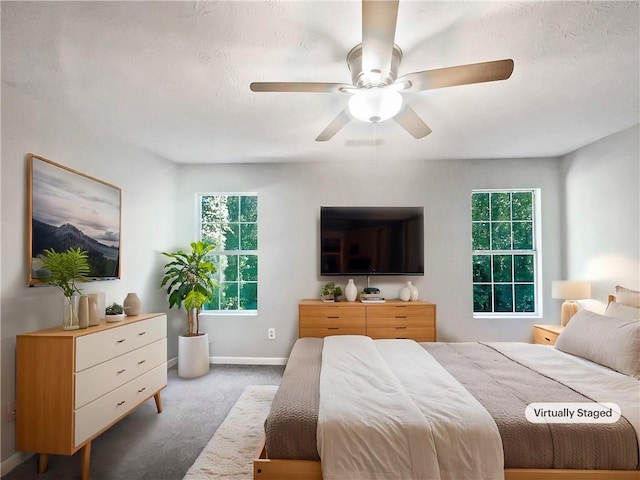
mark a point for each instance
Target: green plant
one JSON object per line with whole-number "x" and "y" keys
{"x": 337, "y": 291}
{"x": 328, "y": 289}
{"x": 189, "y": 277}
{"x": 114, "y": 309}
{"x": 66, "y": 268}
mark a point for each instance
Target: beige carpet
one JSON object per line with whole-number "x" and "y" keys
{"x": 229, "y": 454}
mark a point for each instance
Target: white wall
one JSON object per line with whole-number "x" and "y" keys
{"x": 602, "y": 197}
{"x": 148, "y": 214}
{"x": 290, "y": 196}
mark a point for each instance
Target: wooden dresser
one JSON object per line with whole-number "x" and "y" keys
{"x": 391, "y": 319}
{"x": 73, "y": 385}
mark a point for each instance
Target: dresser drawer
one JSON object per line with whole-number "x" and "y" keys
{"x": 419, "y": 334}
{"x": 332, "y": 322}
{"x": 328, "y": 331}
{"x": 401, "y": 311}
{"x": 326, "y": 311}
{"x": 95, "y": 416}
{"x": 400, "y": 321}
{"x": 102, "y": 346}
{"x": 544, "y": 337}
{"x": 94, "y": 382}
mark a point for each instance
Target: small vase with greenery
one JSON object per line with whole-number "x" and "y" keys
{"x": 189, "y": 277}
{"x": 114, "y": 313}
{"x": 67, "y": 268}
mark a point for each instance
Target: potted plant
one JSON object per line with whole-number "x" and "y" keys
{"x": 189, "y": 280}
{"x": 67, "y": 268}
{"x": 327, "y": 294}
{"x": 337, "y": 293}
{"x": 114, "y": 313}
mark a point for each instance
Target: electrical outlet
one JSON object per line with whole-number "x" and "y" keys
{"x": 10, "y": 412}
{"x": 271, "y": 334}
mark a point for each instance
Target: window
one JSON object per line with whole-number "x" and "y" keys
{"x": 230, "y": 222}
{"x": 505, "y": 252}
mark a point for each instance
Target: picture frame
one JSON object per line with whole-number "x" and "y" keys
{"x": 69, "y": 209}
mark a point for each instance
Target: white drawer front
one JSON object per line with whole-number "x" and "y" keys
{"x": 102, "y": 412}
{"x": 102, "y": 346}
{"x": 104, "y": 377}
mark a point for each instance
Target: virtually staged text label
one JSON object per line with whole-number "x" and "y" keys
{"x": 572, "y": 412}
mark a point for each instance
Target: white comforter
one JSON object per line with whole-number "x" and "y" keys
{"x": 389, "y": 411}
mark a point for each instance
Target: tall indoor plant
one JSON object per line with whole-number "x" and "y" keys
{"x": 66, "y": 268}
{"x": 190, "y": 283}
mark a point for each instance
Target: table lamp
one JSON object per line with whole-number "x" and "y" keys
{"x": 569, "y": 291}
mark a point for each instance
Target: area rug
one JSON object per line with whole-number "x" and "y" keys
{"x": 230, "y": 452}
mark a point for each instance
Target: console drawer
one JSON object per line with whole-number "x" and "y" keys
{"x": 94, "y": 382}
{"x": 419, "y": 334}
{"x": 99, "y": 414}
{"x": 102, "y": 346}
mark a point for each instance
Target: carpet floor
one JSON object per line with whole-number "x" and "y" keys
{"x": 150, "y": 446}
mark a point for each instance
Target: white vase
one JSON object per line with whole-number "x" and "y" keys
{"x": 414, "y": 292}
{"x": 351, "y": 291}
{"x": 193, "y": 355}
{"x": 405, "y": 293}
{"x": 70, "y": 320}
{"x": 131, "y": 305}
{"x": 83, "y": 311}
{"x": 94, "y": 317}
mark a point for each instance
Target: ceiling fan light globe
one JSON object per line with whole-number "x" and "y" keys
{"x": 375, "y": 104}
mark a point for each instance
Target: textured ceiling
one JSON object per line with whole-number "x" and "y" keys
{"x": 173, "y": 77}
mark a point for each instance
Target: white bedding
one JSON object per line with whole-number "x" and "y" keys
{"x": 389, "y": 411}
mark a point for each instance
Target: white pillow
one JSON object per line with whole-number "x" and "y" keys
{"x": 627, "y": 296}
{"x": 620, "y": 310}
{"x": 609, "y": 341}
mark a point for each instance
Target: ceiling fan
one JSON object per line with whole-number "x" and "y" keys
{"x": 374, "y": 73}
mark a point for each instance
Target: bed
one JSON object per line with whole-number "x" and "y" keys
{"x": 594, "y": 365}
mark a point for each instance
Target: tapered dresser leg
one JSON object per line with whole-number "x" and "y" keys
{"x": 42, "y": 464}
{"x": 158, "y": 400}
{"x": 86, "y": 460}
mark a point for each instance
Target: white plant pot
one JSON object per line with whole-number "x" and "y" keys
{"x": 193, "y": 356}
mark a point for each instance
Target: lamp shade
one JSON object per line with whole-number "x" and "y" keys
{"x": 375, "y": 104}
{"x": 570, "y": 290}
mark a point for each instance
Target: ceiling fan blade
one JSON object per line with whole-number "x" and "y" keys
{"x": 305, "y": 87}
{"x": 460, "y": 75}
{"x": 335, "y": 126}
{"x": 378, "y": 33}
{"x": 408, "y": 119}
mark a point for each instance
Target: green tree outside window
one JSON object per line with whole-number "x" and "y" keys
{"x": 504, "y": 259}
{"x": 231, "y": 222}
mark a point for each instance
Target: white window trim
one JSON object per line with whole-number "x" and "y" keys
{"x": 198, "y": 234}
{"x": 538, "y": 313}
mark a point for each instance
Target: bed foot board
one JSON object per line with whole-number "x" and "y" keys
{"x": 273, "y": 469}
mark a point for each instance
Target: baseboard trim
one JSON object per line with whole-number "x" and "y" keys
{"x": 249, "y": 360}
{"x": 13, "y": 461}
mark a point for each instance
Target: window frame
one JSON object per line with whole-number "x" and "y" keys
{"x": 536, "y": 251}
{"x": 238, "y": 252}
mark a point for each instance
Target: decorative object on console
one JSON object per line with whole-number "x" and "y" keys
{"x": 327, "y": 294}
{"x": 569, "y": 291}
{"x": 405, "y": 292}
{"x": 114, "y": 313}
{"x": 189, "y": 277}
{"x": 63, "y": 270}
{"x": 57, "y": 198}
{"x": 83, "y": 311}
{"x": 350, "y": 291}
{"x": 132, "y": 305}
{"x": 414, "y": 292}
{"x": 94, "y": 317}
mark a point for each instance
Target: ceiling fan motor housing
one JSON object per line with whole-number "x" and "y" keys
{"x": 362, "y": 79}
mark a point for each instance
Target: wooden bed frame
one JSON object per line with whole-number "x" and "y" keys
{"x": 274, "y": 469}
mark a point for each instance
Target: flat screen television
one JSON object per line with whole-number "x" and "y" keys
{"x": 371, "y": 241}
